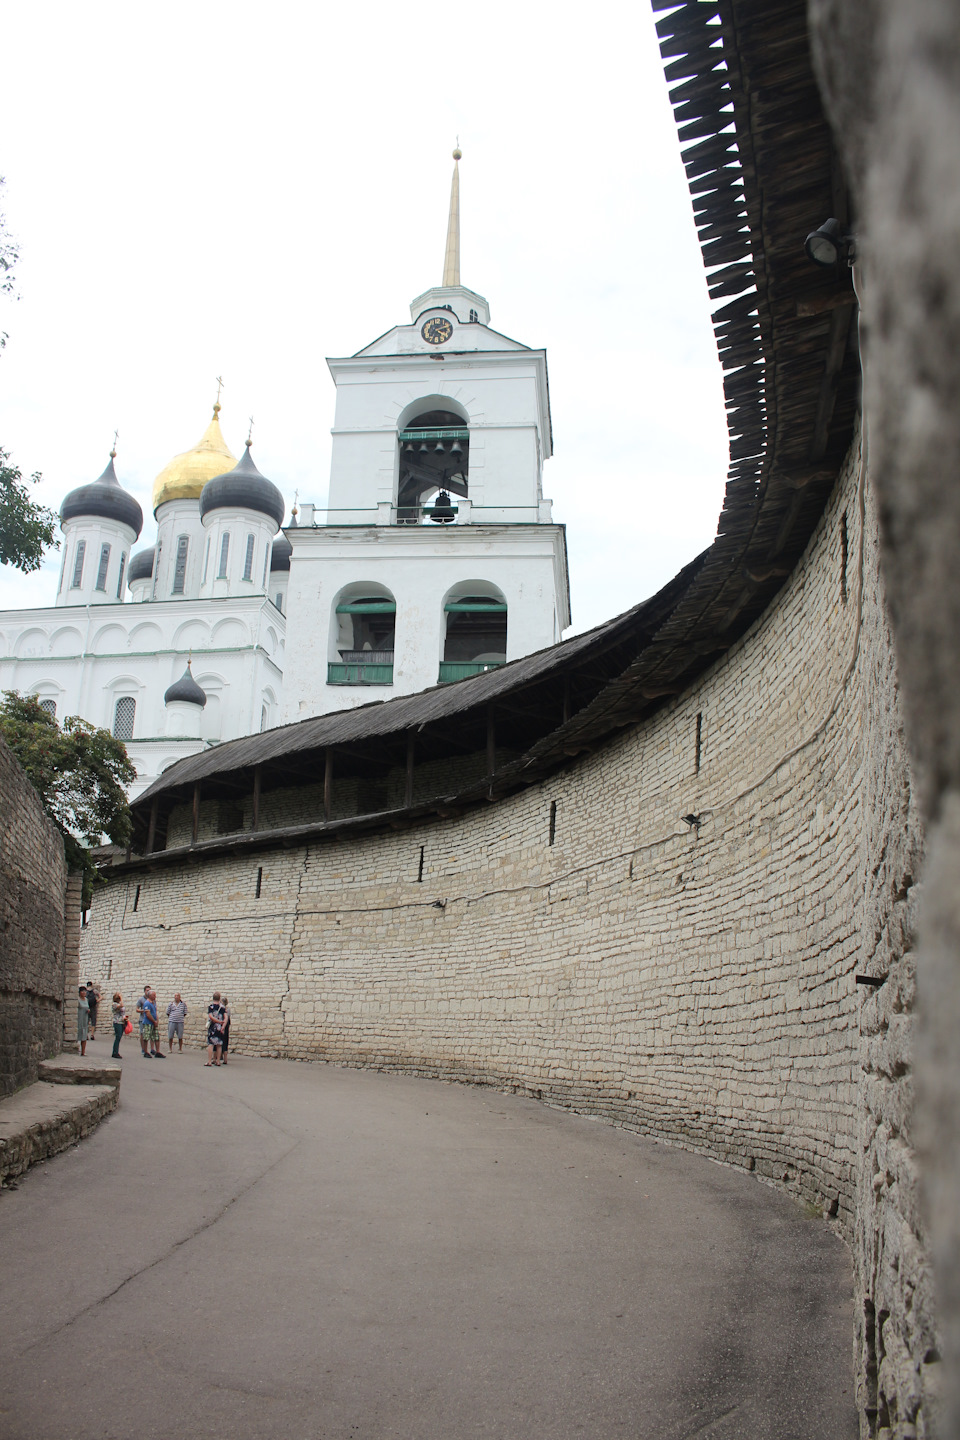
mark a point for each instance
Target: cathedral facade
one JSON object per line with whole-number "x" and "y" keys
{"x": 436, "y": 559}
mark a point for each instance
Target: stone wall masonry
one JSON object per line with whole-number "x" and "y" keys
{"x": 897, "y": 1344}
{"x": 696, "y": 983}
{"x": 32, "y": 887}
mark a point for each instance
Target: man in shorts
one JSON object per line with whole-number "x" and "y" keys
{"x": 155, "y": 1041}
{"x": 147, "y": 1013}
{"x": 176, "y": 1014}
{"x": 143, "y": 1021}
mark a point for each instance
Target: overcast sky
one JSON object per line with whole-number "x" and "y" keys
{"x": 203, "y": 189}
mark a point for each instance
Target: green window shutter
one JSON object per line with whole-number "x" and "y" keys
{"x": 469, "y": 607}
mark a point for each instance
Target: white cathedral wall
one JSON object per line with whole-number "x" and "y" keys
{"x": 504, "y": 408}
{"x": 85, "y": 658}
{"x": 93, "y": 531}
{"x": 418, "y": 567}
{"x": 238, "y": 525}
{"x": 457, "y": 298}
{"x": 407, "y": 340}
{"x": 176, "y": 518}
{"x": 277, "y": 586}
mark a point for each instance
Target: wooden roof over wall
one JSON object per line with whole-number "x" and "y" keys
{"x": 763, "y": 173}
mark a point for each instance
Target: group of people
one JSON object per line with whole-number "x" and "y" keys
{"x": 218, "y": 1023}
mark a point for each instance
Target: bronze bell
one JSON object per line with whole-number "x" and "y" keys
{"x": 438, "y": 448}
{"x": 424, "y": 447}
{"x": 442, "y": 512}
{"x": 456, "y": 448}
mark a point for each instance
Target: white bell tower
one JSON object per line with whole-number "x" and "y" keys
{"x": 437, "y": 556}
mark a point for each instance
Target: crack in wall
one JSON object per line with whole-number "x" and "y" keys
{"x": 294, "y": 939}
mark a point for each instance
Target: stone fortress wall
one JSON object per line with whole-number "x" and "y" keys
{"x": 33, "y": 882}
{"x": 581, "y": 942}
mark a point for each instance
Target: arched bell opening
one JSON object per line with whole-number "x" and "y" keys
{"x": 475, "y": 636}
{"x": 434, "y": 461}
{"x": 364, "y": 626}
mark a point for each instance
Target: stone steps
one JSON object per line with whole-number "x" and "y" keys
{"x": 69, "y": 1069}
{"x": 69, "y": 1100}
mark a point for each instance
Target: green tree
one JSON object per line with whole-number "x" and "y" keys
{"x": 9, "y": 255}
{"x": 79, "y": 772}
{"x": 26, "y": 529}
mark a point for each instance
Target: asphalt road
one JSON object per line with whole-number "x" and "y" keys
{"x": 299, "y": 1252}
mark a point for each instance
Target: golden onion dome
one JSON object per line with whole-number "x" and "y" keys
{"x": 185, "y": 475}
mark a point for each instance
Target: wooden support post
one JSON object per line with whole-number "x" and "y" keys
{"x": 195, "y": 827}
{"x": 255, "y": 822}
{"x": 491, "y": 742}
{"x": 411, "y": 747}
{"x": 327, "y": 784}
{"x": 152, "y": 824}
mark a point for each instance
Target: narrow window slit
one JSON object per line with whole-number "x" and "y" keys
{"x": 553, "y": 822}
{"x": 698, "y": 744}
{"x": 420, "y": 870}
{"x": 844, "y": 556}
{"x": 259, "y": 880}
{"x": 104, "y": 567}
{"x": 136, "y": 899}
{"x": 180, "y": 565}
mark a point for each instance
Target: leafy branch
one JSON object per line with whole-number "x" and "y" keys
{"x": 80, "y": 773}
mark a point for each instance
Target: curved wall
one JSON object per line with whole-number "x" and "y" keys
{"x": 692, "y": 981}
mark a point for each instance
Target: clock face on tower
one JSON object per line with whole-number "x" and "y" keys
{"x": 437, "y": 331}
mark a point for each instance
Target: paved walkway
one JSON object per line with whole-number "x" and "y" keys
{"x": 298, "y": 1252}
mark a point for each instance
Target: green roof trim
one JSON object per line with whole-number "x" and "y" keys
{"x": 475, "y": 607}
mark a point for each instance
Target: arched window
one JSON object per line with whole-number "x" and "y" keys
{"x": 476, "y": 632}
{"x": 180, "y": 565}
{"x": 124, "y": 714}
{"x": 434, "y": 457}
{"x": 104, "y": 567}
{"x": 364, "y": 632}
{"x": 50, "y": 707}
{"x": 78, "y": 564}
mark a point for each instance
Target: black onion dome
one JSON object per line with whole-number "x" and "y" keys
{"x": 107, "y": 498}
{"x": 186, "y": 688}
{"x": 141, "y": 565}
{"x": 244, "y": 488}
{"x": 280, "y": 554}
